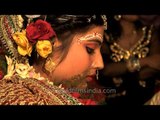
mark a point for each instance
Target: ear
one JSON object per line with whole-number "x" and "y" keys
{"x": 57, "y": 42}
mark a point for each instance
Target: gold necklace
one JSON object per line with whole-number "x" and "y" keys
{"x": 140, "y": 49}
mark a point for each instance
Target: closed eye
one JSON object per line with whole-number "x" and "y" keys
{"x": 90, "y": 50}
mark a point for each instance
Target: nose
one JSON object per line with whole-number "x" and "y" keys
{"x": 98, "y": 61}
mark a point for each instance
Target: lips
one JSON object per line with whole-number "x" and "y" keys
{"x": 90, "y": 78}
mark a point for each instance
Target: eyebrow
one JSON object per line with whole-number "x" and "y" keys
{"x": 95, "y": 40}
{"x": 92, "y": 36}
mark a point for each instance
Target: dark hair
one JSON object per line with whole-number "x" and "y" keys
{"x": 73, "y": 23}
{"x": 66, "y": 26}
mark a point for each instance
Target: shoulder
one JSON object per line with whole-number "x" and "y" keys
{"x": 33, "y": 92}
{"x": 12, "y": 93}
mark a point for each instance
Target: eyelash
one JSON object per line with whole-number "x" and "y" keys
{"x": 90, "y": 50}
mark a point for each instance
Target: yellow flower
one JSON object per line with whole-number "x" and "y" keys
{"x": 24, "y": 47}
{"x": 44, "y": 48}
{"x": 25, "y": 51}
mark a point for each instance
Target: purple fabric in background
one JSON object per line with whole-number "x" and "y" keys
{"x": 150, "y": 20}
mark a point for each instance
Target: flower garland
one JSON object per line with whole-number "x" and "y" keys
{"x": 23, "y": 70}
{"x": 36, "y": 34}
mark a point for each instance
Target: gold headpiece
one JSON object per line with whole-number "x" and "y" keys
{"x": 105, "y": 21}
{"x": 117, "y": 17}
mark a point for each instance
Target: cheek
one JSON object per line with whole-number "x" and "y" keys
{"x": 76, "y": 62}
{"x": 79, "y": 61}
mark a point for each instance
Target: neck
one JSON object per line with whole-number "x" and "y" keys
{"x": 128, "y": 28}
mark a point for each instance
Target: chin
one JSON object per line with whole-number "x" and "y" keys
{"x": 82, "y": 85}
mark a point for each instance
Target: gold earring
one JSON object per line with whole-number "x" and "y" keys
{"x": 97, "y": 74}
{"x": 117, "y": 17}
{"x": 50, "y": 65}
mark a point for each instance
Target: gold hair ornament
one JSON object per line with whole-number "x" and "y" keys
{"x": 105, "y": 21}
{"x": 117, "y": 17}
{"x": 31, "y": 17}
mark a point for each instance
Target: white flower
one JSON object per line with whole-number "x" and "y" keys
{"x": 22, "y": 69}
{"x": 10, "y": 68}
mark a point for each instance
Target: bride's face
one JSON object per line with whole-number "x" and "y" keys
{"x": 82, "y": 60}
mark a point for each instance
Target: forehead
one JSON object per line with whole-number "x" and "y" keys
{"x": 92, "y": 33}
